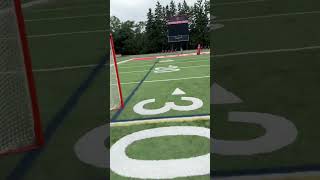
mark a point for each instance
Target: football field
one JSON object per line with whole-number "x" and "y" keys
{"x": 158, "y": 79}
{"x": 266, "y": 53}
{"x": 166, "y": 91}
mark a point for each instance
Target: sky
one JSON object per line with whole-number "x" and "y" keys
{"x": 137, "y": 10}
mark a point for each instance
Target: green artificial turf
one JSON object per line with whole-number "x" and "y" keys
{"x": 152, "y": 149}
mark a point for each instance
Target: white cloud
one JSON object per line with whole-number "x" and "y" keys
{"x": 137, "y": 9}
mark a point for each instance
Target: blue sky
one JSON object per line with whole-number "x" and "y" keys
{"x": 136, "y": 9}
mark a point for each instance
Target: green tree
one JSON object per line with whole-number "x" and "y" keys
{"x": 172, "y": 9}
{"x": 115, "y": 24}
{"x": 200, "y": 24}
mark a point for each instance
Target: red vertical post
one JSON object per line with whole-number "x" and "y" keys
{"x": 28, "y": 69}
{"x": 117, "y": 71}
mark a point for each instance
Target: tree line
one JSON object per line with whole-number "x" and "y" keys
{"x": 150, "y": 36}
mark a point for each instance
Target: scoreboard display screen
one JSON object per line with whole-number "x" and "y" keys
{"x": 178, "y": 29}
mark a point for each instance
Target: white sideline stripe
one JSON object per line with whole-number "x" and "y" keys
{"x": 67, "y": 33}
{"x": 152, "y": 121}
{"x": 122, "y": 62}
{"x": 63, "y": 18}
{"x": 268, "y": 16}
{"x": 122, "y": 67}
{"x": 268, "y": 51}
{"x": 241, "y": 2}
{"x": 165, "y": 80}
{"x": 184, "y": 67}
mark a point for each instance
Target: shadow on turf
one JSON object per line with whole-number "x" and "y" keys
{"x": 27, "y": 160}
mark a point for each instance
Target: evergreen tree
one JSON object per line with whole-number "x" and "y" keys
{"x": 179, "y": 8}
{"x": 172, "y": 9}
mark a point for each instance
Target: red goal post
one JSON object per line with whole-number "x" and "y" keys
{"x": 20, "y": 124}
{"x": 116, "y": 99}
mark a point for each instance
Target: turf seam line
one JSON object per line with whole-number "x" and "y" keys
{"x": 118, "y": 113}
{"x": 28, "y": 159}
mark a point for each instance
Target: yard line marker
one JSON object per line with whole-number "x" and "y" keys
{"x": 67, "y": 17}
{"x": 267, "y": 51}
{"x": 166, "y": 80}
{"x": 268, "y": 16}
{"x": 241, "y": 2}
{"x": 67, "y": 33}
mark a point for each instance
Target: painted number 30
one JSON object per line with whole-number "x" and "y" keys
{"x": 139, "y": 108}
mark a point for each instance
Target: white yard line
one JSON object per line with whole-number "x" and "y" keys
{"x": 165, "y": 80}
{"x": 235, "y": 3}
{"x": 67, "y": 33}
{"x": 64, "y": 68}
{"x": 175, "y": 62}
{"x": 72, "y": 67}
{"x": 176, "y": 59}
{"x": 32, "y": 3}
{"x": 267, "y": 16}
{"x": 183, "y": 67}
{"x": 162, "y": 120}
{"x": 67, "y": 17}
{"x": 267, "y": 51}
{"x": 65, "y": 8}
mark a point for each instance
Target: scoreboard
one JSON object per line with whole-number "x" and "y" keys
{"x": 178, "y": 29}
